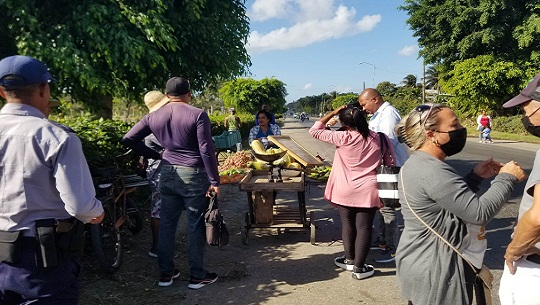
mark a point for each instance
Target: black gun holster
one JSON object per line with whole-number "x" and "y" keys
{"x": 47, "y": 249}
{"x": 10, "y": 246}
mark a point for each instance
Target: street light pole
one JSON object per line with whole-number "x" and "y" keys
{"x": 363, "y": 62}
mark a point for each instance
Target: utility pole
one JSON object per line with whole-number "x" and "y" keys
{"x": 423, "y": 82}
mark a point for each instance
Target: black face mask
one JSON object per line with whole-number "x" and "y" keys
{"x": 458, "y": 138}
{"x": 530, "y": 127}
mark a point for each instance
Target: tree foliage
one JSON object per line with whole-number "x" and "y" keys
{"x": 123, "y": 48}
{"x": 248, "y": 95}
{"x": 478, "y": 46}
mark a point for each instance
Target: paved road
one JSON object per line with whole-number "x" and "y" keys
{"x": 499, "y": 229}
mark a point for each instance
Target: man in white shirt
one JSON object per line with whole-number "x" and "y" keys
{"x": 384, "y": 119}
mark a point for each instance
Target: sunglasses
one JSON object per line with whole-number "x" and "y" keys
{"x": 420, "y": 109}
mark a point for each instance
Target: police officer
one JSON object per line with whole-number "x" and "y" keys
{"x": 46, "y": 192}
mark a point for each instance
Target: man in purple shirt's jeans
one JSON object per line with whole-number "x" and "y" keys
{"x": 189, "y": 171}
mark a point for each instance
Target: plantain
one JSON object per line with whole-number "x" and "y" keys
{"x": 258, "y": 147}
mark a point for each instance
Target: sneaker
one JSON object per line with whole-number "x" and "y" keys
{"x": 152, "y": 253}
{"x": 344, "y": 263}
{"x": 200, "y": 283}
{"x": 378, "y": 245}
{"x": 387, "y": 256}
{"x": 363, "y": 273}
{"x": 167, "y": 279}
{"x": 481, "y": 141}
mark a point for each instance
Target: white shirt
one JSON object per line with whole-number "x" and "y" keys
{"x": 385, "y": 120}
{"x": 43, "y": 171}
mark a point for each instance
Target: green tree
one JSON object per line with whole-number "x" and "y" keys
{"x": 344, "y": 99}
{"x": 481, "y": 83}
{"x": 122, "y": 48}
{"x": 248, "y": 95}
{"x": 387, "y": 88}
{"x": 432, "y": 77}
{"x": 409, "y": 81}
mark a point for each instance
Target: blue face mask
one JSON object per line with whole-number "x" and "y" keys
{"x": 458, "y": 138}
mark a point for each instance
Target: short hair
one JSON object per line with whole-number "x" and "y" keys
{"x": 21, "y": 92}
{"x": 411, "y": 128}
{"x": 266, "y": 114}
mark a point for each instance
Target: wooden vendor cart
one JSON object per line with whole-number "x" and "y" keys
{"x": 264, "y": 212}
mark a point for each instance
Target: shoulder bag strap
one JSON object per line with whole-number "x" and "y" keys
{"x": 385, "y": 147}
{"x": 431, "y": 229}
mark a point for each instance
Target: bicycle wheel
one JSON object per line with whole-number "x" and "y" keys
{"x": 135, "y": 217}
{"x": 107, "y": 242}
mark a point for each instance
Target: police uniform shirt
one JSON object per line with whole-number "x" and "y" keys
{"x": 43, "y": 171}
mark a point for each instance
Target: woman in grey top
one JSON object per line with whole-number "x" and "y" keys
{"x": 429, "y": 271}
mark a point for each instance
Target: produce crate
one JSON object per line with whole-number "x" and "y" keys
{"x": 227, "y": 139}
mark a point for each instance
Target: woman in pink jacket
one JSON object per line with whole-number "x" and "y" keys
{"x": 352, "y": 185}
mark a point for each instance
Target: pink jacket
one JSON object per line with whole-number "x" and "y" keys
{"x": 353, "y": 180}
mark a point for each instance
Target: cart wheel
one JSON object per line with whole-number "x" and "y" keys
{"x": 312, "y": 227}
{"x": 244, "y": 228}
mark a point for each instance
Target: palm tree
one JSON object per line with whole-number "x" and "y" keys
{"x": 432, "y": 77}
{"x": 409, "y": 81}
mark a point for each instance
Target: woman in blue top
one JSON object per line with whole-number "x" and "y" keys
{"x": 264, "y": 129}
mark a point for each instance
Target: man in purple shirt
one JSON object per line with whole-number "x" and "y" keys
{"x": 189, "y": 171}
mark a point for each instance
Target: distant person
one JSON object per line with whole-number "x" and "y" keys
{"x": 483, "y": 121}
{"x": 264, "y": 129}
{"x": 154, "y": 100}
{"x": 352, "y": 185}
{"x": 46, "y": 192}
{"x": 232, "y": 122}
{"x": 521, "y": 277}
{"x": 384, "y": 119}
{"x": 486, "y": 134}
{"x": 272, "y": 118}
{"x": 188, "y": 173}
{"x": 437, "y": 203}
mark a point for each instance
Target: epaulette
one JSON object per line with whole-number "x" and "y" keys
{"x": 64, "y": 127}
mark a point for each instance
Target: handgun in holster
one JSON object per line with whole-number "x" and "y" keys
{"x": 47, "y": 252}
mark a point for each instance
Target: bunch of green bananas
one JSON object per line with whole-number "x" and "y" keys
{"x": 320, "y": 172}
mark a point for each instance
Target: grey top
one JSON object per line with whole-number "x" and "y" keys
{"x": 429, "y": 271}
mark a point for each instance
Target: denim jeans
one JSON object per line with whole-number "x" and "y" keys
{"x": 388, "y": 231}
{"x": 182, "y": 187}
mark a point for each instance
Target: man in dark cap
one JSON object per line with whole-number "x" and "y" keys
{"x": 521, "y": 276}
{"x": 188, "y": 173}
{"x": 47, "y": 192}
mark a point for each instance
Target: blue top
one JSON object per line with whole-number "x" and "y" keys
{"x": 44, "y": 173}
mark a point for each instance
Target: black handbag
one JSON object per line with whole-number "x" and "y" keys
{"x": 217, "y": 233}
{"x": 387, "y": 177}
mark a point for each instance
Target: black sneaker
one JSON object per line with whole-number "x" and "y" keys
{"x": 387, "y": 256}
{"x": 344, "y": 263}
{"x": 378, "y": 245}
{"x": 200, "y": 283}
{"x": 167, "y": 279}
{"x": 363, "y": 273}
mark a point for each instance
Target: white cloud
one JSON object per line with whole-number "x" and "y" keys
{"x": 262, "y": 10}
{"x": 307, "y": 86}
{"x": 314, "y": 24}
{"x": 408, "y": 50}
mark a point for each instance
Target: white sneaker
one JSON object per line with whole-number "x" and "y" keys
{"x": 363, "y": 273}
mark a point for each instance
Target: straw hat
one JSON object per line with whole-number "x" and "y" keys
{"x": 155, "y": 100}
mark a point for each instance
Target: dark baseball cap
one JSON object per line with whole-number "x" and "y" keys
{"x": 531, "y": 92}
{"x": 177, "y": 86}
{"x": 19, "y": 71}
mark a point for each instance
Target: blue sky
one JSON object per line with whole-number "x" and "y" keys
{"x": 315, "y": 46}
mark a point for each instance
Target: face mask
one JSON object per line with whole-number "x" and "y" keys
{"x": 457, "y": 141}
{"x": 532, "y": 129}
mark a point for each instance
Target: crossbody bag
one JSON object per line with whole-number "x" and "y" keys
{"x": 483, "y": 274}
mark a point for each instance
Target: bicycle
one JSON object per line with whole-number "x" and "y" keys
{"x": 121, "y": 213}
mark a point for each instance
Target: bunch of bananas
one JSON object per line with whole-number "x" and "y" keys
{"x": 285, "y": 161}
{"x": 320, "y": 172}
